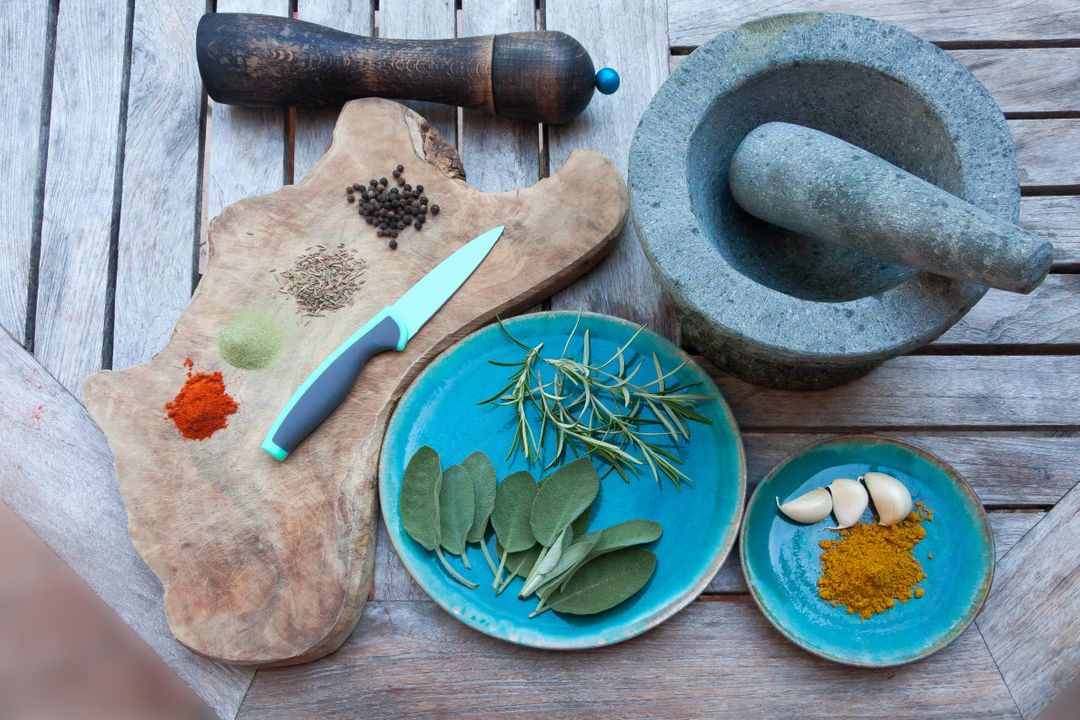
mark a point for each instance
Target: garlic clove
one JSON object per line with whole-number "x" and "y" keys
{"x": 808, "y": 508}
{"x": 891, "y": 499}
{"x": 849, "y": 500}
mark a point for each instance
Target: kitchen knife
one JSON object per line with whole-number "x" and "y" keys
{"x": 390, "y": 329}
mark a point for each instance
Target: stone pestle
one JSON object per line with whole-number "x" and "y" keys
{"x": 816, "y": 184}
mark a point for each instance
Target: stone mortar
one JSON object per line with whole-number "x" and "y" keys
{"x": 772, "y": 306}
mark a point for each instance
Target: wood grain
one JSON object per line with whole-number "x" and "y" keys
{"x": 927, "y": 391}
{"x": 428, "y": 20}
{"x": 245, "y": 147}
{"x": 721, "y": 658}
{"x": 77, "y": 222}
{"x": 630, "y": 39}
{"x": 693, "y": 22}
{"x": 1028, "y": 80}
{"x": 1057, "y": 218}
{"x": 499, "y": 153}
{"x": 1022, "y": 80}
{"x": 1049, "y": 316}
{"x": 159, "y": 218}
{"x": 1032, "y": 617}
{"x": 1046, "y": 152}
{"x": 267, "y": 562}
{"x": 24, "y": 52}
{"x": 57, "y": 475}
{"x": 315, "y": 126}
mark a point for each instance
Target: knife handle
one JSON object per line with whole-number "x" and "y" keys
{"x": 326, "y": 387}
{"x": 248, "y": 59}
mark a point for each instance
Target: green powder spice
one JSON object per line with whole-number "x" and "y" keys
{"x": 251, "y": 339}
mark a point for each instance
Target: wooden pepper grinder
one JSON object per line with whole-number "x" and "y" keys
{"x": 248, "y": 59}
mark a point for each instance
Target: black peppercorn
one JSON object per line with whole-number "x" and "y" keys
{"x": 423, "y": 200}
{"x": 418, "y": 225}
{"x": 396, "y": 174}
{"x": 401, "y": 168}
{"x": 369, "y": 220}
{"x": 393, "y": 244}
{"x": 382, "y": 181}
{"x": 434, "y": 209}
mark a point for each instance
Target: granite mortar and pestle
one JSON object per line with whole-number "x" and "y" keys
{"x": 819, "y": 192}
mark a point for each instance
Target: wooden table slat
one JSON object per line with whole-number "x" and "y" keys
{"x": 25, "y": 53}
{"x": 58, "y": 476}
{"x": 423, "y": 20}
{"x": 630, "y": 39}
{"x": 1031, "y": 621}
{"x": 1049, "y": 316}
{"x": 159, "y": 223}
{"x": 720, "y": 658}
{"x": 920, "y": 390}
{"x": 315, "y": 126}
{"x": 1057, "y": 218}
{"x": 693, "y": 22}
{"x": 80, "y": 189}
{"x": 245, "y": 146}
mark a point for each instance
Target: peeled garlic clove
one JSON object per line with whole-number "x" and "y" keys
{"x": 891, "y": 499}
{"x": 809, "y": 508}
{"x": 849, "y": 500}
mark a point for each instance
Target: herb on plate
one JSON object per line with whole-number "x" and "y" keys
{"x": 596, "y": 406}
{"x": 541, "y": 531}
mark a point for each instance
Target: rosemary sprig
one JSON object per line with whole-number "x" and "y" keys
{"x": 596, "y": 407}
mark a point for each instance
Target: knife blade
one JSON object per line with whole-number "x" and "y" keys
{"x": 391, "y": 329}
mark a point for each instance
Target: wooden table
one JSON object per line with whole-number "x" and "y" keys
{"x": 113, "y": 161}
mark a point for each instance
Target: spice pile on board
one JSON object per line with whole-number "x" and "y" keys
{"x": 391, "y": 209}
{"x": 322, "y": 281}
{"x": 201, "y": 407}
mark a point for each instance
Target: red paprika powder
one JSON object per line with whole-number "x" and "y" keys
{"x": 200, "y": 408}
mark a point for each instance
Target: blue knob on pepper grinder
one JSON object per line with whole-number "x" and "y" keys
{"x": 607, "y": 80}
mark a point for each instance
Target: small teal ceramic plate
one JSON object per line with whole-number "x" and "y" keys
{"x": 700, "y": 521}
{"x": 780, "y": 558}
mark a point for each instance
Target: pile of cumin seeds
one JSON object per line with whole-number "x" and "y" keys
{"x": 321, "y": 280}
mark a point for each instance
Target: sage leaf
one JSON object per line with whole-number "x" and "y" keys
{"x": 604, "y": 582}
{"x": 581, "y": 524}
{"x": 419, "y": 502}
{"x": 513, "y": 504}
{"x": 551, "y": 559}
{"x": 455, "y": 509}
{"x": 573, "y": 556}
{"x": 563, "y": 496}
{"x": 616, "y": 537}
{"x": 521, "y": 563}
{"x": 625, "y": 534}
{"x": 483, "y": 476}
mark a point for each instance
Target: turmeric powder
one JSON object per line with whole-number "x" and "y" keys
{"x": 870, "y": 567}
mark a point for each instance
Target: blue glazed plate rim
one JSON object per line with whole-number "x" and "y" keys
{"x": 951, "y": 472}
{"x": 618, "y": 633}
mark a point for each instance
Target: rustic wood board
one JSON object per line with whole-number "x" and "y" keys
{"x": 266, "y": 562}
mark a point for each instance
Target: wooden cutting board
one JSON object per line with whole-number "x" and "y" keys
{"x": 268, "y": 563}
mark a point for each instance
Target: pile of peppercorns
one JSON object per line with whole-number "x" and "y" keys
{"x": 391, "y": 209}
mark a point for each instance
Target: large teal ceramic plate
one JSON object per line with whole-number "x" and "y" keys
{"x": 700, "y": 521}
{"x": 780, "y": 558}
